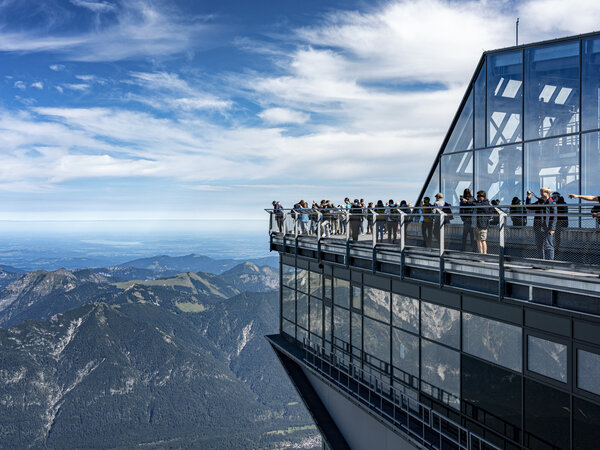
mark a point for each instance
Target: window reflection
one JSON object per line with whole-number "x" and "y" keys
{"x": 434, "y": 185}
{"x": 288, "y": 275}
{"x": 315, "y": 284}
{"x": 551, "y": 90}
{"x": 553, "y": 163}
{"x": 302, "y": 280}
{"x": 547, "y": 358}
{"x": 327, "y": 323}
{"x": 590, "y": 89}
{"x": 547, "y": 416}
{"x": 316, "y": 316}
{"x": 405, "y": 353}
{"x": 588, "y": 368}
{"x": 288, "y": 304}
{"x": 356, "y": 334}
{"x": 586, "y": 417}
{"x": 493, "y": 341}
{"x": 405, "y": 313}
{"x": 457, "y": 175}
{"x": 341, "y": 324}
{"x": 504, "y": 97}
{"x": 462, "y": 135}
{"x": 440, "y": 324}
{"x": 288, "y": 328}
{"x": 302, "y": 310}
{"x": 499, "y": 172}
{"x": 440, "y": 373}
{"x": 377, "y": 304}
{"x": 356, "y": 297}
{"x": 377, "y": 339}
{"x": 590, "y": 181}
{"x": 341, "y": 292}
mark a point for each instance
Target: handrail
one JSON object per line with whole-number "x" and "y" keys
{"x": 426, "y": 416}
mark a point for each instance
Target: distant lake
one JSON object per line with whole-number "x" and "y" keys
{"x": 35, "y": 245}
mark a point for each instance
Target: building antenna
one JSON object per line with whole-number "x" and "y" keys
{"x": 517, "y": 31}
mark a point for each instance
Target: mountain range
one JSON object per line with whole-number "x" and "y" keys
{"x": 93, "y": 359}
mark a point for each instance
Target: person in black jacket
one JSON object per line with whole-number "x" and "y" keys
{"x": 466, "y": 215}
{"x": 482, "y": 221}
{"x": 562, "y": 219}
{"x": 356, "y": 219}
{"x": 544, "y": 222}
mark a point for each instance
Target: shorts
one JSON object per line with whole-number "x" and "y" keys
{"x": 481, "y": 234}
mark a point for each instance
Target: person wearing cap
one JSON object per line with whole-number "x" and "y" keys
{"x": 482, "y": 221}
{"x": 440, "y": 204}
{"x": 544, "y": 222}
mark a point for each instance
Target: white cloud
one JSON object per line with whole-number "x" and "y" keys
{"x": 76, "y": 86}
{"x": 277, "y": 116}
{"x": 57, "y": 67}
{"x": 97, "y": 7}
{"x": 59, "y": 89}
{"x": 38, "y": 85}
{"x": 20, "y": 85}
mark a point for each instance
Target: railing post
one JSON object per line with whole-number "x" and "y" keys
{"x": 271, "y": 230}
{"x": 347, "y": 238}
{"x": 442, "y": 244}
{"x": 284, "y": 228}
{"x": 374, "y": 231}
{"x": 319, "y": 223}
{"x": 501, "y": 253}
{"x": 402, "y": 243}
{"x": 295, "y": 215}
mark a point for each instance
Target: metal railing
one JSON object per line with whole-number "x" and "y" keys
{"x": 563, "y": 235}
{"x": 420, "y": 422}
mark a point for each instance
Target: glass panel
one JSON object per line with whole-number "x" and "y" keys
{"x": 588, "y": 368}
{"x": 462, "y": 134}
{"x": 492, "y": 396}
{"x": 480, "y": 109}
{"x": 316, "y": 316}
{"x": 434, "y": 185}
{"x": 377, "y": 304}
{"x": 499, "y": 172}
{"x": 405, "y": 313}
{"x": 327, "y": 323}
{"x": 316, "y": 341}
{"x": 341, "y": 324}
{"x": 586, "y": 417}
{"x": 288, "y": 304}
{"x": 547, "y": 416}
{"x": 493, "y": 341}
{"x": 590, "y": 89}
{"x": 302, "y": 280}
{"x": 457, "y": 175}
{"x": 551, "y": 90}
{"x": 440, "y": 373}
{"x": 302, "y": 335}
{"x": 547, "y": 358}
{"x": 590, "y": 181}
{"x": 328, "y": 282}
{"x": 553, "y": 163}
{"x": 356, "y": 297}
{"x": 288, "y": 328}
{"x": 440, "y": 324}
{"x": 302, "y": 310}
{"x": 341, "y": 292}
{"x": 504, "y": 97}
{"x": 405, "y": 352}
{"x": 377, "y": 339}
{"x": 288, "y": 276}
{"x": 315, "y": 284}
{"x": 357, "y": 331}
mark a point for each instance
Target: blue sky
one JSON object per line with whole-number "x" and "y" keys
{"x": 211, "y": 109}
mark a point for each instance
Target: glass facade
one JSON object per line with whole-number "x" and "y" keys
{"x": 505, "y": 382}
{"x": 525, "y": 123}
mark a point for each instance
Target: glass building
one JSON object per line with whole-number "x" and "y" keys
{"x": 387, "y": 351}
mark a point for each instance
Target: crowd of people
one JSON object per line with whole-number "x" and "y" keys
{"x": 477, "y": 213}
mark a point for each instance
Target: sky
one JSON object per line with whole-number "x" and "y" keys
{"x": 209, "y": 110}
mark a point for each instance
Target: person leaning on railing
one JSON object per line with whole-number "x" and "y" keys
{"x": 356, "y": 219}
{"x": 278, "y": 210}
{"x": 466, "y": 215}
{"x": 380, "y": 219}
{"x": 590, "y": 198}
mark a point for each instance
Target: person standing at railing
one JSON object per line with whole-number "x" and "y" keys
{"x": 314, "y": 218}
{"x": 466, "y": 215}
{"x": 370, "y": 212}
{"x": 364, "y": 211}
{"x": 393, "y": 217}
{"x": 544, "y": 222}
{"x": 278, "y": 211}
{"x": 482, "y": 221}
{"x": 427, "y": 225}
{"x": 562, "y": 220}
{"x": 356, "y": 219}
{"x": 304, "y": 219}
{"x": 595, "y": 209}
{"x": 380, "y": 219}
{"x": 516, "y": 210}
{"x": 441, "y": 205}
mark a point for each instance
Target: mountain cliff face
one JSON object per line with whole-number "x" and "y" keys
{"x": 174, "y": 362}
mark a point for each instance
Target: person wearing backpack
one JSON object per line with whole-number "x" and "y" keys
{"x": 392, "y": 221}
{"x": 356, "y": 219}
{"x": 482, "y": 221}
{"x": 466, "y": 215}
{"x": 427, "y": 224}
{"x": 380, "y": 220}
